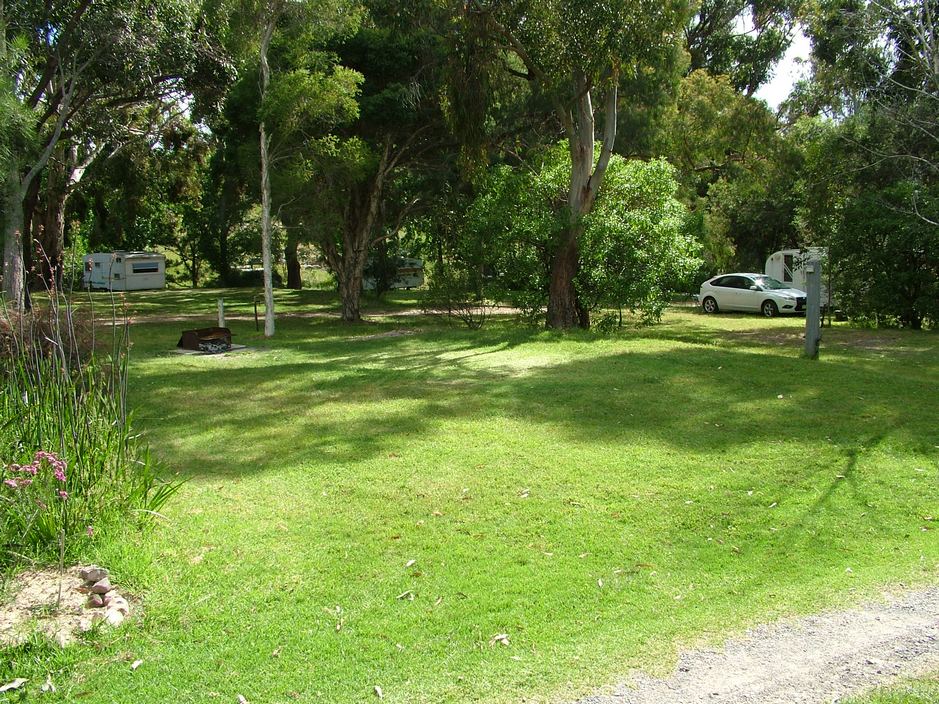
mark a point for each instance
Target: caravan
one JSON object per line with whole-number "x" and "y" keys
{"x": 788, "y": 265}
{"x": 124, "y": 271}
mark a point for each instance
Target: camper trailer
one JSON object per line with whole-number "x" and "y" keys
{"x": 409, "y": 273}
{"x": 788, "y": 266}
{"x": 125, "y": 271}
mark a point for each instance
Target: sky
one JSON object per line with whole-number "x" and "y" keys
{"x": 787, "y": 72}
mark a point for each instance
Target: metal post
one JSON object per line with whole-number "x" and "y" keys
{"x": 221, "y": 312}
{"x": 813, "y": 308}
{"x": 257, "y": 324}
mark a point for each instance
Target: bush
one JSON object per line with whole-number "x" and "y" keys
{"x": 455, "y": 293}
{"x": 71, "y": 460}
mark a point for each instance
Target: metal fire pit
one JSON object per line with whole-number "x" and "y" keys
{"x": 208, "y": 340}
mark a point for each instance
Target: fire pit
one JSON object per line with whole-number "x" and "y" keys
{"x": 207, "y": 340}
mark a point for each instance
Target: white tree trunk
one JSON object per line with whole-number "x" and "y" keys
{"x": 266, "y": 258}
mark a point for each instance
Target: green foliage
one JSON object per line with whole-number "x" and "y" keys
{"x": 635, "y": 246}
{"x": 717, "y": 44}
{"x": 71, "y": 463}
{"x": 637, "y": 249}
{"x": 887, "y": 259}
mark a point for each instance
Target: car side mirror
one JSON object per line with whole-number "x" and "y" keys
{"x": 754, "y": 287}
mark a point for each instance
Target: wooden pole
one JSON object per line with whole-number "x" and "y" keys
{"x": 221, "y": 312}
{"x": 813, "y": 308}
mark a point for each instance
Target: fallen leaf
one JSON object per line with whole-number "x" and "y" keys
{"x": 409, "y": 595}
{"x": 779, "y": 396}
{"x": 500, "y": 638}
{"x": 242, "y": 700}
{"x": 379, "y": 693}
{"x": 410, "y": 563}
{"x": 773, "y": 505}
{"x": 583, "y": 555}
{"x": 276, "y": 653}
{"x": 436, "y": 513}
{"x": 135, "y": 664}
{"x": 439, "y": 601}
{"x": 48, "y": 687}
{"x": 15, "y": 684}
{"x": 600, "y": 583}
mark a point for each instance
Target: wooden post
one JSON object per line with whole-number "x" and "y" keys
{"x": 813, "y": 308}
{"x": 221, "y": 312}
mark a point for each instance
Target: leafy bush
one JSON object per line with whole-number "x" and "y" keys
{"x": 637, "y": 244}
{"x": 455, "y": 292}
{"x": 71, "y": 460}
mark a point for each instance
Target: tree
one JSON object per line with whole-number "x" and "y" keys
{"x": 77, "y": 57}
{"x": 346, "y": 195}
{"x": 635, "y": 247}
{"x": 740, "y": 39}
{"x": 573, "y": 52}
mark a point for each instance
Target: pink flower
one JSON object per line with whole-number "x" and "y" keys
{"x": 89, "y": 531}
{"x": 53, "y": 460}
{"x": 63, "y": 494}
{"x": 11, "y": 483}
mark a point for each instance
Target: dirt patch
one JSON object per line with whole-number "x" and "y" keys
{"x": 807, "y": 661}
{"x": 51, "y": 602}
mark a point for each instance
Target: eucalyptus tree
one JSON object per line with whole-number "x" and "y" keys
{"x": 573, "y": 55}
{"x": 344, "y": 192}
{"x": 741, "y": 39}
{"x": 299, "y": 85}
{"x": 72, "y": 58}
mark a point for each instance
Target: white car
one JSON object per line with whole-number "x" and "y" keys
{"x": 750, "y": 292}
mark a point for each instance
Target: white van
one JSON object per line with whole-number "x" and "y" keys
{"x": 124, "y": 271}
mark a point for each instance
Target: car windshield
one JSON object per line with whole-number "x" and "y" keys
{"x": 771, "y": 284}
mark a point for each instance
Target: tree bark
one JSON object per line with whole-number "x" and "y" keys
{"x": 13, "y": 273}
{"x": 564, "y": 309}
{"x": 51, "y": 239}
{"x": 294, "y": 280}
{"x": 267, "y": 33}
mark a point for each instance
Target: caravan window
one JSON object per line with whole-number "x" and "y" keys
{"x": 145, "y": 268}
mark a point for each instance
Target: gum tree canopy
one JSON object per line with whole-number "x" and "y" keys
{"x": 66, "y": 61}
{"x": 573, "y": 54}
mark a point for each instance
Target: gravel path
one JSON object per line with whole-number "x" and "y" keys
{"x": 807, "y": 661}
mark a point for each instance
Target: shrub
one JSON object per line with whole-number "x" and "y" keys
{"x": 71, "y": 462}
{"x": 455, "y": 293}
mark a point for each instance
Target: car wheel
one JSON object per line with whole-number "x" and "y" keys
{"x": 709, "y": 305}
{"x": 769, "y": 309}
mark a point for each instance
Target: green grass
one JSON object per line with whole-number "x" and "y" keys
{"x": 603, "y": 501}
{"x": 918, "y": 691}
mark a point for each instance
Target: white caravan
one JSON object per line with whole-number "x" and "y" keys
{"x": 125, "y": 271}
{"x": 788, "y": 266}
{"x": 409, "y": 273}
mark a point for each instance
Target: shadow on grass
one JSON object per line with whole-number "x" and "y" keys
{"x": 352, "y": 401}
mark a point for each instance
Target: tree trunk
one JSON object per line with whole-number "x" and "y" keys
{"x": 562, "y": 298}
{"x": 13, "y": 279}
{"x": 564, "y": 309}
{"x": 350, "y": 290}
{"x": 266, "y": 259}
{"x": 294, "y": 280}
{"x": 51, "y": 241}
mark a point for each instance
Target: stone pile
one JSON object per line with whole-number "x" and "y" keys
{"x": 103, "y": 595}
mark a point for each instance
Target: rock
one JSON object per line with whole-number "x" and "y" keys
{"x": 114, "y": 617}
{"x": 102, "y": 586}
{"x": 119, "y": 603}
{"x": 93, "y": 573}
{"x": 96, "y": 601}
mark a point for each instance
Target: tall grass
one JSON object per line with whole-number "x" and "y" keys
{"x": 64, "y": 393}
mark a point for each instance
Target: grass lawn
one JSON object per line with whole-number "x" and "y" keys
{"x": 369, "y": 509}
{"x": 919, "y": 691}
